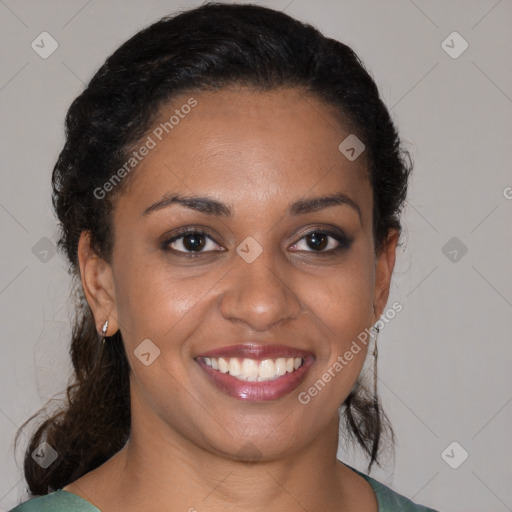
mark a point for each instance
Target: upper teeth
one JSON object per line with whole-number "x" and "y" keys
{"x": 252, "y": 370}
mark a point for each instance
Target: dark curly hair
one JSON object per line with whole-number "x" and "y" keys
{"x": 206, "y": 48}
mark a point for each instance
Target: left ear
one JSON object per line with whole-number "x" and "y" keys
{"x": 384, "y": 265}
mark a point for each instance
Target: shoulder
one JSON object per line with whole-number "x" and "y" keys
{"x": 391, "y": 501}
{"x": 57, "y": 501}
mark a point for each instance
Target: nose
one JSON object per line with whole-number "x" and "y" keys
{"x": 259, "y": 294}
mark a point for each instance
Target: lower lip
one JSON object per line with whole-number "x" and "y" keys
{"x": 257, "y": 391}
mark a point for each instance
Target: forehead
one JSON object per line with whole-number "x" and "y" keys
{"x": 247, "y": 147}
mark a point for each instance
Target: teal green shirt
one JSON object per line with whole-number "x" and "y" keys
{"x": 64, "y": 501}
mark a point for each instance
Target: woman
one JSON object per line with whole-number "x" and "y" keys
{"x": 229, "y": 197}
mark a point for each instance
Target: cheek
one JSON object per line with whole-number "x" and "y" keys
{"x": 343, "y": 305}
{"x": 164, "y": 304}
{"x": 344, "y": 298}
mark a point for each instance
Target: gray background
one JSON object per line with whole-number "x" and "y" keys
{"x": 445, "y": 360}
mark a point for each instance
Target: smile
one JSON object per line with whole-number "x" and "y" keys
{"x": 251, "y": 370}
{"x": 256, "y": 373}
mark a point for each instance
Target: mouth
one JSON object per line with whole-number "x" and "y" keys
{"x": 256, "y": 373}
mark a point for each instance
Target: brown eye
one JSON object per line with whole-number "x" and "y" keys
{"x": 194, "y": 242}
{"x": 317, "y": 241}
{"x": 322, "y": 241}
{"x": 190, "y": 242}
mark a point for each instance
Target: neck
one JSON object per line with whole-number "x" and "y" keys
{"x": 160, "y": 468}
{"x": 173, "y": 474}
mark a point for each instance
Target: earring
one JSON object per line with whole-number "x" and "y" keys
{"x": 375, "y": 357}
{"x": 104, "y": 331}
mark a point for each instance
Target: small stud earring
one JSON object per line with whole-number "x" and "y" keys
{"x": 104, "y": 330}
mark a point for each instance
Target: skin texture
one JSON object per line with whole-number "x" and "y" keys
{"x": 257, "y": 152}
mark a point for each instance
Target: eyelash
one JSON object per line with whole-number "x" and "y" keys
{"x": 343, "y": 241}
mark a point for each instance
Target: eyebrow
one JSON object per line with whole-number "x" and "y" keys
{"x": 211, "y": 206}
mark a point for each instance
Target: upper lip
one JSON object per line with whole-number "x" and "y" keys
{"x": 257, "y": 352}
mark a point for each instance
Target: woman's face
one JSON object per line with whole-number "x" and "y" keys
{"x": 270, "y": 267}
